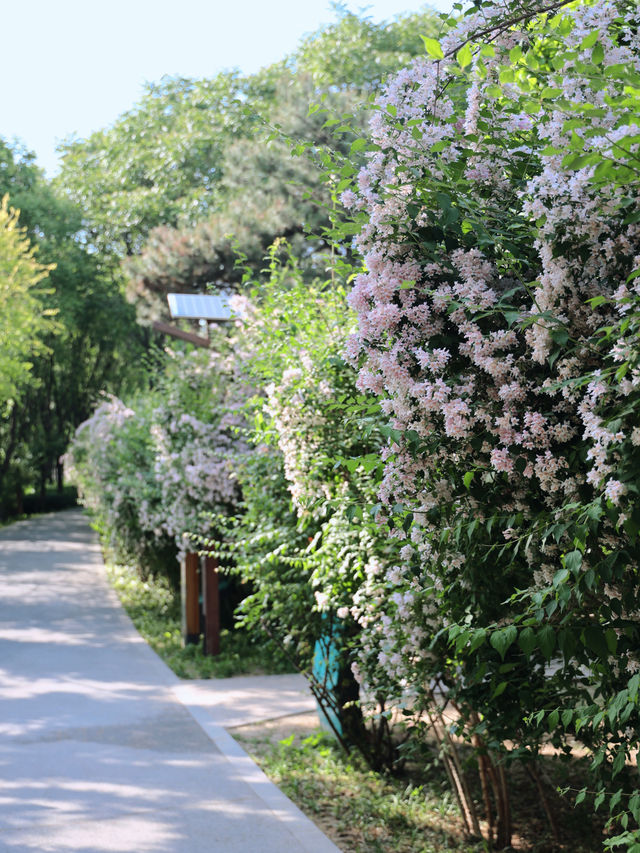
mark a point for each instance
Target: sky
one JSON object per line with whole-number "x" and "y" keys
{"x": 70, "y": 67}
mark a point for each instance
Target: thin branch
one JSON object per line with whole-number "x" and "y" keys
{"x": 504, "y": 25}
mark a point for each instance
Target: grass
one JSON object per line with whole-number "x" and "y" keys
{"x": 361, "y": 811}
{"x": 154, "y": 609}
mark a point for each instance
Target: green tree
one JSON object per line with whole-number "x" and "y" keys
{"x": 23, "y": 319}
{"x": 22, "y": 314}
{"x": 159, "y": 164}
{"x": 264, "y": 193}
{"x": 356, "y": 53}
{"x": 91, "y": 347}
{"x": 186, "y": 177}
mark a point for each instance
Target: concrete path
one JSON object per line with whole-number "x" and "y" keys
{"x": 102, "y": 748}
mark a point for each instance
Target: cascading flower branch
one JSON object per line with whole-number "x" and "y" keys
{"x": 158, "y": 471}
{"x": 197, "y": 436}
{"x": 457, "y": 319}
{"x": 501, "y": 244}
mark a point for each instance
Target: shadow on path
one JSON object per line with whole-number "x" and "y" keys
{"x": 96, "y": 753}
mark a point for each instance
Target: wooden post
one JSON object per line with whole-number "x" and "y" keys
{"x": 189, "y": 595}
{"x": 175, "y": 332}
{"x": 211, "y": 606}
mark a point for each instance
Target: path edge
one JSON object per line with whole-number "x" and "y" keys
{"x": 299, "y": 825}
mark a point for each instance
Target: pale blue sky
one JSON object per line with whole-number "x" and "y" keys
{"x": 72, "y": 66}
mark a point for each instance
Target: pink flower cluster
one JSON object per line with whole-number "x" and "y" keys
{"x": 168, "y": 461}
{"x": 487, "y": 378}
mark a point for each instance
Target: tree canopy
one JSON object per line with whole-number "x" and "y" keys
{"x": 23, "y": 316}
{"x": 186, "y": 180}
{"x": 72, "y": 359}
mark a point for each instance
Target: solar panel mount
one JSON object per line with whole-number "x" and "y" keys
{"x": 200, "y": 306}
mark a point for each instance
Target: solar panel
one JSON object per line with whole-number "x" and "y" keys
{"x": 198, "y": 306}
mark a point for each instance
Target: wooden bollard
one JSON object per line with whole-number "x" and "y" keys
{"x": 189, "y": 597}
{"x": 211, "y": 606}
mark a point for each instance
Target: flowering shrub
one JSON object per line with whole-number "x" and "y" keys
{"x": 195, "y": 430}
{"x": 498, "y": 316}
{"x": 111, "y": 461}
{"x": 304, "y": 539}
{"x": 155, "y": 472}
{"x": 496, "y": 322}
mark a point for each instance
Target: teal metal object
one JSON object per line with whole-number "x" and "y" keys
{"x": 326, "y": 672}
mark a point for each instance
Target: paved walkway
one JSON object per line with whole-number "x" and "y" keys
{"x": 102, "y": 748}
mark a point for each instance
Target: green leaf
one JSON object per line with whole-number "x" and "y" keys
{"x": 532, "y": 61}
{"x": 464, "y": 56}
{"x": 567, "y": 717}
{"x": 567, "y": 642}
{"x": 359, "y": 145}
{"x": 499, "y": 689}
{"x": 560, "y": 577}
{"x": 590, "y": 40}
{"x": 594, "y": 638}
{"x": 574, "y": 163}
{"x": 468, "y": 477}
{"x": 527, "y": 640}
{"x": 618, "y": 761}
{"x": 573, "y": 561}
{"x": 547, "y": 640}
{"x": 432, "y": 46}
{"x": 503, "y": 638}
{"x": 597, "y": 300}
{"x": 478, "y": 639}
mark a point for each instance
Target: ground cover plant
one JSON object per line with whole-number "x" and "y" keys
{"x": 415, "y": 812}
{"x": 154, "y": 609}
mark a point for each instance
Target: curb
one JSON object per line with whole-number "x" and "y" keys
{"x": 299, "y": 825}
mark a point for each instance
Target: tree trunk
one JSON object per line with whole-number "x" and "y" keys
{"x": 19, "y": 499}
{"x": 43, "y": 487}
